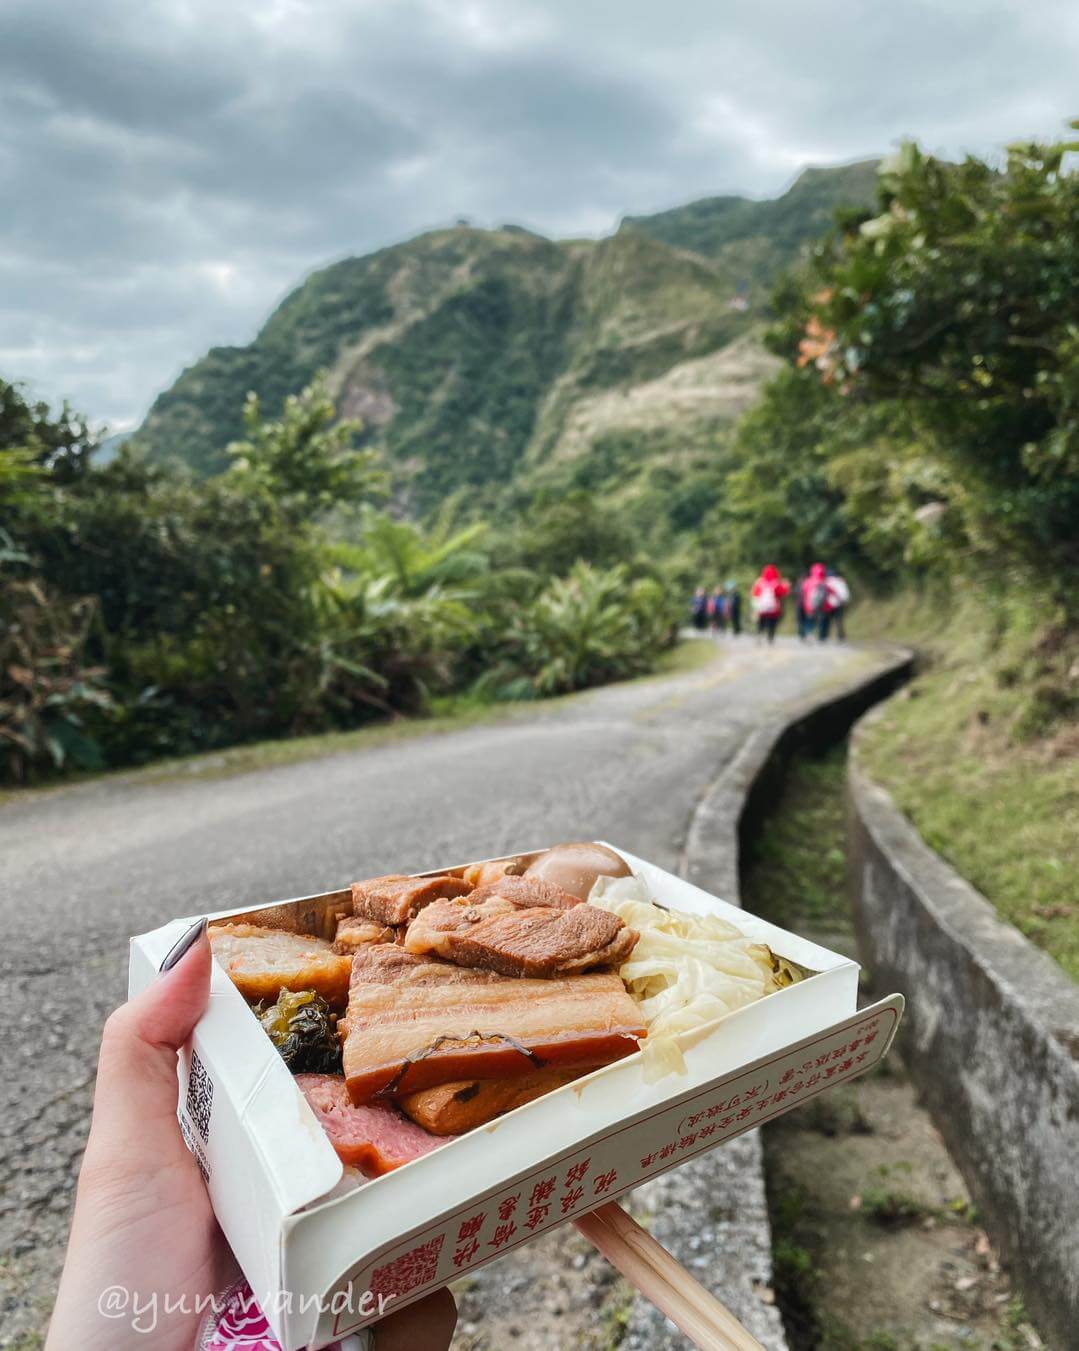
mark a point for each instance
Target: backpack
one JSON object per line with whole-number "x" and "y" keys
{"x": 766, "y": 600}
{"x": 818, "y": 599}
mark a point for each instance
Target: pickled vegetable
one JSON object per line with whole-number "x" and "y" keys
{"x": 303, "y": 1027}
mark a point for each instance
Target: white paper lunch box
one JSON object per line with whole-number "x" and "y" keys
{"x": 319, "y": 1267}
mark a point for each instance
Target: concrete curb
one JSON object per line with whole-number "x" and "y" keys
{"x": 716, "y": 1204}
{"x": 992, "y": 1041}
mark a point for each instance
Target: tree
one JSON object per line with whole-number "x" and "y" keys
{"x": 60, "y": 443}
{"x": 956, "y": 303}
{"x": 778, "y": 504}
{"x": 304, "y": 463}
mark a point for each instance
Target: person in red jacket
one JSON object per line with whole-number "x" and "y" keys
{"x": 768, "y": 592}
{"x": 819, "y": 600}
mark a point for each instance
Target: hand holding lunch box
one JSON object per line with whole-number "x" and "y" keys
{"x": 403, "y": 1079}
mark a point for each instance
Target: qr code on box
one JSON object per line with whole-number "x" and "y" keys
{"x": 200, "y": 1096}
{"x": 406, "y": 1273}
{"x": 197, "y": 1151}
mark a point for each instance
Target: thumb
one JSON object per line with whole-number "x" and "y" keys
{"x": 165, "y": 1013}
{"x": 136, "y": 1075}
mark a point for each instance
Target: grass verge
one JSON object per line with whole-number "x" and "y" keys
{"x": 981, "y": 752}
{"x": 797, "y": 864}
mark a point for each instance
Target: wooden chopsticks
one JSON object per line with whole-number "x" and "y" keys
{"x": 665, "y": 1282}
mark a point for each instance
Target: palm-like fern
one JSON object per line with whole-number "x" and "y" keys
{"x": 416, "y": 559}
{"x": 591, "y": 626}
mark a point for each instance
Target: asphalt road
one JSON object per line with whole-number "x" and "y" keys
{"x": 83, "y": 868}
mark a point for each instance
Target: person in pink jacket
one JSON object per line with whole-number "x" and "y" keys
{"x": 820, "y": 600}
{"x": 768, "y": 594}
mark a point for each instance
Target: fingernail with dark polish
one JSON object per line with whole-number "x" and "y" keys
{"x": 183, "y": 944}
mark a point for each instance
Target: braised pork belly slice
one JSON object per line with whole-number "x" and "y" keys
{"x": 353, "y": 932}
{"x": 263, "y": 962}
{"x": 452, "y": 1109}
{"x": 394, "y": 900}
{"x": 414, "y": 1022}
{"x": 497, "y": 934}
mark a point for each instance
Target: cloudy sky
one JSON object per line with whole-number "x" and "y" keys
{"x": 169, "y": 168}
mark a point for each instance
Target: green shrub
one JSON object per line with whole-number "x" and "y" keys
{"x": 589, "y": 627}
{"x": 46, "y": 686}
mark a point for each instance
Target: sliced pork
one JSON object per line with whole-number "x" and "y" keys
{"x": 479, "y": 874}
{"x": 373, "y": 1139}
{"x": 393, "y": 899}
{"x": 490, "y": 931}
{"x": 524, "y": 892}
{"x": 414, "y": 1022}
{"x": 352, "y": 932}
{"x": 263, "y": 962}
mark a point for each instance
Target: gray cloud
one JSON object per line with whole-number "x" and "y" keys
{"x": 168, "y": 168}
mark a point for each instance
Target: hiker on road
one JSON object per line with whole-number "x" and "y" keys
{"x": 818, "y": 601}
{"x": 734, "y": 606}
{"x": 802, "y": 620}
{"x": 698, "y": 609}
{"x": 837, "y": 585}
{"x": 768, "y": 592}
{"x": 717, "y": 608}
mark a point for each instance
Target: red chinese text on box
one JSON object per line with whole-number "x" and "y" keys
{"x": 629, "y": 1155}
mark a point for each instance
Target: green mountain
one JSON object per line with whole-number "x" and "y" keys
{"x": 483, "y": 360}
{"x": 760, "y": 238}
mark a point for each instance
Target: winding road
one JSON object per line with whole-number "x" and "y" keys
{"x": 84, "y": 867}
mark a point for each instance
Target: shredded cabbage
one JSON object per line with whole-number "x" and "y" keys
{"x": 686, "y": 970}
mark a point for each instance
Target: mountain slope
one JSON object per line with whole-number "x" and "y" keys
{"x": 760, "y": 238}
{"x": 481, "y": 359}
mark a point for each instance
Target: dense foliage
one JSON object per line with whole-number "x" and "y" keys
{"x": 589, "y": 627}
{"x": 468, "y": 383}
{"x": 928, "y": 413}
{"x": 146, "y": 613}
{"x": 47, "y": 689}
